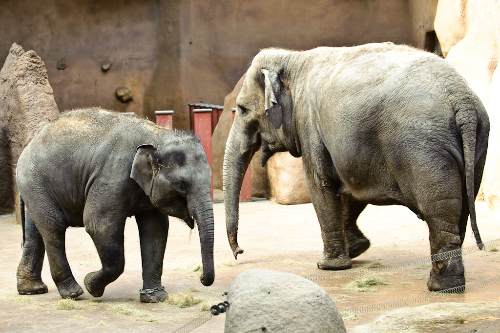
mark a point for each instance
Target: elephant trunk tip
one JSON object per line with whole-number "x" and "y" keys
{"x": 237, "y": 250}
{"x": 233, "y": 242}
{"x": 207, "y": 279}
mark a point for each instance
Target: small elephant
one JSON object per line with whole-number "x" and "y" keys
{"x": 93, "y": 168}
{"x": 378, "y": 123}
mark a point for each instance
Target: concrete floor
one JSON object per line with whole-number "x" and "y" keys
{"x": 285, "y": 238}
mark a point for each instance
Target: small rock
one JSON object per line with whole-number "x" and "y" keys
{"x": 123, "y": 94}
{"x": 105, "y": 67}
{"x": 269, "y": 301}
{"x": 61, "y": 64}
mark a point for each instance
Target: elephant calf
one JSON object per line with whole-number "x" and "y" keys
{"x": 377, "y": 123}
{"x": 93, "y": 168}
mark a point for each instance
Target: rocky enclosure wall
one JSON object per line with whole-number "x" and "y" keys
{"x": 26, "y": 104}
{"x": 172, "y": 52}
{"x": 469, "y": 33}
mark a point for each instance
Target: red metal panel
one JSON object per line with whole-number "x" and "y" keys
{"x": 164, "y": 118}
{"x": 202, "y": 128}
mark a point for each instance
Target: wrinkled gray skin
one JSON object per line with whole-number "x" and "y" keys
{"x": 377, "y": 123}
{"x": 86, "y": 170}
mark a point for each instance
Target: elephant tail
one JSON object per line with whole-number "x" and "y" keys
{"x": 466, "y": 119}
{"x": 23, "y": 218}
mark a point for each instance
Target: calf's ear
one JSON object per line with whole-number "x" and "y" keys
{"x": 144, "y": 166}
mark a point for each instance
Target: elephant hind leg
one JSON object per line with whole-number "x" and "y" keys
{"x": 446, "y": 236}
{"x": 356, "y": 241}
{"x": 29, "y": 271}
{"x": 51, "y": 225}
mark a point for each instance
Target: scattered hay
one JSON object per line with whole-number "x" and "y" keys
{"x": 197, "y": 268}
{"x": 205, "y": 307}
{"x": 493, "y": 249}
{"x": 131, "y": 311}
{"x": 183, "y": 300}
{"x": 366, "y": 283}
{"x": 348, "y": 315}
{"x": 67, "y": 304}
{"x": 22, "y": 299}
{"x": 229, "y": 263}
{"x": 374, "y": 265}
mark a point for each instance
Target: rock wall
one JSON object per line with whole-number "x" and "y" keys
{"x": 173, "y": 52}
{"x": 469, "y": 33}
{"x": 287, "y": 180}
{"x": 26, "y": 103}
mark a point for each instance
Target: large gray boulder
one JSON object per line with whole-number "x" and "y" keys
{"x": 269, "y": 301}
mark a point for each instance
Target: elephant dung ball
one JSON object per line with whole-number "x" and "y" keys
{"x": 123, "y": 94}
{"x": 264, "y": 300}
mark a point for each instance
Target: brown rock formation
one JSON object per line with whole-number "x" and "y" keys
{"x": 287, "y": 180}
{"x": 26, "y": 104}
{"x": 469, "y": 35}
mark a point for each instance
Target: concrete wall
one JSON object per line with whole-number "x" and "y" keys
{"x": 171, "y": 52}
{"x": 139, "y": 38}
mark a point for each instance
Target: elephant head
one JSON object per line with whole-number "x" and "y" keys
{"x": 264, "y": 118}
{"x": 176, "y": 178}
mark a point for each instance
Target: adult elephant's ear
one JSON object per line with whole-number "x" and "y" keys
{"x": 144, "y": 167}
{"x": 272, "y": 88}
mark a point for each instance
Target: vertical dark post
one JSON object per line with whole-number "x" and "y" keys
{"x": 202, "y": 128}
{"x": 246, "y": 186}
{"x": 164, "y": 118}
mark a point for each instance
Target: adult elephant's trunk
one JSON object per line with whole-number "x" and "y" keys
{"x": 204, "y": 215}
{"x": 236, "y": 159}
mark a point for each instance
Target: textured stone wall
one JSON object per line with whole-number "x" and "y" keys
{"x": 26, "y": 104}
{"x": 172, "y": 52}
{"x": 469, "y": 33}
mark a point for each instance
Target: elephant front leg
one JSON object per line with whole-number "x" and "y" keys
{"x": 107, "y": 233}
{"x": 328, "y": 209}
{"x": 153, "y": 233}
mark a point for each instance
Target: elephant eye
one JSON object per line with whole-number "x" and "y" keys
{"x": 181, "y": 186}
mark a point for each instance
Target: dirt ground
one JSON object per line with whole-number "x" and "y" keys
{"x": 391, "y": 275}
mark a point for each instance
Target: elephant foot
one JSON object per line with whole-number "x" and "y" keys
{"x": 93, "y": 287}
{"x": 27, "y": 286}
{"x": 335, "y": 264}
{"x": 357, "y": 246}
{"x": 153, "y": 295}
{"x": 69, "y": 288}
{"x": 447, "y": 276}
{"x": 452, "y": 284}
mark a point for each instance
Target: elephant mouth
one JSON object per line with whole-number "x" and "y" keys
{"x": 189, "y": 221}
{"x": 267, "y": 150}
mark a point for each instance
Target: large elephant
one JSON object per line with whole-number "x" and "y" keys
{"x": 377, "y": 123}
{"x": 93, "y": 168}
